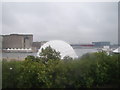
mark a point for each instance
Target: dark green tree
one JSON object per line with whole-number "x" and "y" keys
{"x": 49, "y": 54}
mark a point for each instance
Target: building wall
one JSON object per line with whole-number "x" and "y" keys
{"x": 101, "y": 43}
{"x": 17, "y": 41}
{"x": 28, "y": 40}
{"x": 36, "y": 46}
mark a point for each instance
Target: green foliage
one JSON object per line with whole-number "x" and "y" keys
{"x": 67, "y": 58}
{"x": 30, "y": 75}
{"x": 49, "y": 53}
{"x": 10, "y": 73}
{"x": 30, "y": 58}
{"x": 91, "y": 70}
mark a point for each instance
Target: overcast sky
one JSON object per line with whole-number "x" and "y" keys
{"x": 71, "y": 22}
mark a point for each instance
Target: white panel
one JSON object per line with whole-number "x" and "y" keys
{"x": 64, "y": 48}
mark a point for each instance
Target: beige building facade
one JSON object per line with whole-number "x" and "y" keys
{"x": 17, "y": 41}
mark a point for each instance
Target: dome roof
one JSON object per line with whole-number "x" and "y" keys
{"x": 117, "y": 50}
{"x": 64, "y": 48}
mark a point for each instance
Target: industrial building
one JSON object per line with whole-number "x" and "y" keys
{"x": 17, "y": 41}
{"x": 101, "y": 44}
{"x": 36, "y": 46}
{"x": 20, "y": 43}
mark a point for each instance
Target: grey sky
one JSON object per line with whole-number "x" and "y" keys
{"x": 71, "y": 22}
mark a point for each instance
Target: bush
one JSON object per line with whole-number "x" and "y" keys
{"x": 92, "y": 70}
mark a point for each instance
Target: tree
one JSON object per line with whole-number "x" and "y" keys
{"x": 49, "y": 54}
{"x": 30, "y": 58}
{"x": 67, "y": 58}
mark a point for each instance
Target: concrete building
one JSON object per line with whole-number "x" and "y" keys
{"x": 20, "y": 43}
{"x": 36, "y": 46}
{"x": 17, "y": 41}
{"x": 43, "y": 42}
{"x": 101, "y": 44}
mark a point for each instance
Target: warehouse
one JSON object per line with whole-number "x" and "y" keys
{"x": 17, "y": 41}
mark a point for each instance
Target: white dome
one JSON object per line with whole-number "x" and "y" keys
{"x": 117, "y": 50}
{"x": 64, "y": 48}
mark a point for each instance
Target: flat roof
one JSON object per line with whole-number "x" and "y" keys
{"x": 19, "y": 35}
